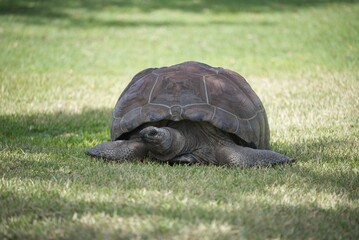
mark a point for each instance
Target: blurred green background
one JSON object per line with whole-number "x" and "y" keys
{"x": 64, "y": 63}
{"x": 120, "y": 37}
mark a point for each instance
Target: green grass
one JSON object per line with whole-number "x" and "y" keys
{"x": 64, "y": 63}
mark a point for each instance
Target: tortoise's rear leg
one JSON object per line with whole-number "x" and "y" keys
{"x": 124, "y": 150}
{"x": 235, "y": 155}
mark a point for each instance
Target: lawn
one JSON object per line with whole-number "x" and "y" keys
{"x": 64, "y": 63}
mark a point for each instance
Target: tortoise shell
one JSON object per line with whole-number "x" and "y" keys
{"x": 192, "y": 91}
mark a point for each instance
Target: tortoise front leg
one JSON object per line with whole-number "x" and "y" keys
{"x": 235, "y": 155}
{"x": 126, "y": 150}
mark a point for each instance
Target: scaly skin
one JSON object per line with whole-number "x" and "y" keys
{"x": 187, "y": 142}
{"x": 125, "y": 150}
{"x": 238, "y": 156}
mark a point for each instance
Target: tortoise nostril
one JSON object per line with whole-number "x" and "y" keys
{"x": 152, "y": 133}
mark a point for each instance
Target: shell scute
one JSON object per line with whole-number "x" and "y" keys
{"x": 199, "y": 113}
{"x": 155, "y": 113}
{"x": 178, "y": 88}
{"x": 190, "y": 66}
{"x": 225, "y": 120}
{"x": 135, "y": 95}
{"x": 227, "y": 95}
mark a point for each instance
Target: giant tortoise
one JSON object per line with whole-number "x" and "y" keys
{"x": 190, "y": 113}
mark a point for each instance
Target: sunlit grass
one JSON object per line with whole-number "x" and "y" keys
{"x": 63, "y": 65}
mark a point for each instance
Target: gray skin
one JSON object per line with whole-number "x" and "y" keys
{"x": 186, "y": 142}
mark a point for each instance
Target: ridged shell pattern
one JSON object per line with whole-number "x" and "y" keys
{"x": 192, "y": 91}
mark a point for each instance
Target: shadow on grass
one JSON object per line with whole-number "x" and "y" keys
{"x": 62, "y": 136}
{"x": 91, "y": 22}
{"x": 252, "y": 219}
{"x": 54, "y": 8}
{"x": 54, "y": 124}
{"x": 47, "y": 133}
{"x": 41, "y": 12}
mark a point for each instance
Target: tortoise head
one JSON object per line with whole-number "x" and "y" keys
{"x": 156, "y": 136}
{"x": 163, "y": 143}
